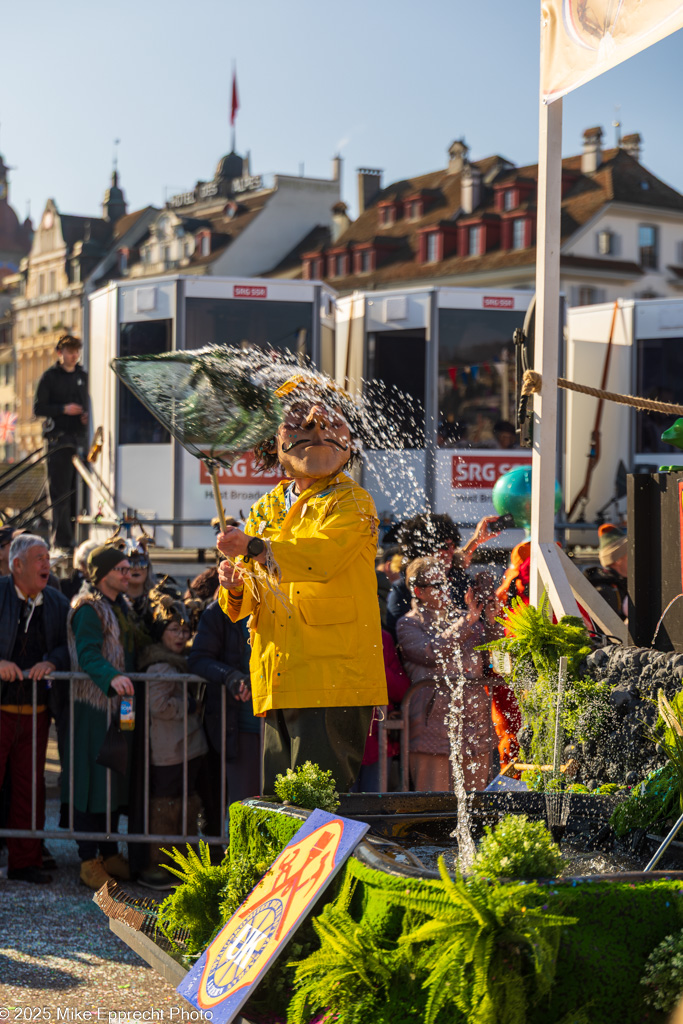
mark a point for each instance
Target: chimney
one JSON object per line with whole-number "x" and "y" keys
{"x": 470, "y": 189}
{"x": 631, "y": 144}
{"x": 591, "y": 158}
{"x": 457, "y": 156}
{"x": 369, "y": 185}
{"x": 337, "y": 163}
{"x": 340, "y": 220}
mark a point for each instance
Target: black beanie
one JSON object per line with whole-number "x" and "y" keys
{"x": 102, "y": 560}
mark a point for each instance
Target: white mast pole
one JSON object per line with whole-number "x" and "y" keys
{"x": 546, "y": 361}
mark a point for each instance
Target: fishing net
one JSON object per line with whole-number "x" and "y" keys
{"x": 216, "y": 401}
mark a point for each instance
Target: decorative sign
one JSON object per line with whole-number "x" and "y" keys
{"x": 249, "y": 291}
{"x": 204, "y": 191}
{"x": 474, "y": 472}
{"x": 250, "y": 183}
{"x": 498, "y": 302}
{"x": 233, "y": 964}
{"x": 580, "y": 40}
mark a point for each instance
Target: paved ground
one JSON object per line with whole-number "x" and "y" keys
{"x": 58, "y": 954}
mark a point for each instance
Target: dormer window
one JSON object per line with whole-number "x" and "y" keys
{"x": 474, "y": 239}
{"x": 203, "y": 243}
{"x": 387, "y": 216}
{"x": 432, "y": 247}
{"x": 519, "y": 233}
{"x": 414, "y": 209}
{"x": 509, "y": 199}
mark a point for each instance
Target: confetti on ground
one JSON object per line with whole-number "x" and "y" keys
{"x": 57, "y": 952}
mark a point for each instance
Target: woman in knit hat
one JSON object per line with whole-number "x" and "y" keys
{"x": 609, "y": 578}
{"x": 168, "y": 707}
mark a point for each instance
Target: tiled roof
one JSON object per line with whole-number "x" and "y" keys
{"x": 125, "y": 223}
{"x": 620, "y": 178}
{"x": 316, "y": 238}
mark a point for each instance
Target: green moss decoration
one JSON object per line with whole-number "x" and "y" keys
{"x": 307, "y": 786}
{"x": 654, "y": 800}
{"x": 663, "y": 977}
{"x": 518, "y": 848}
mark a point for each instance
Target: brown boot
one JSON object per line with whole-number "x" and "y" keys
{"x": 164, "y": 818}
{"x": 117, "y": 865}
{"x": 93, "y": 873}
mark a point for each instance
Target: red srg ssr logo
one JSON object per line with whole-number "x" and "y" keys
{"x": 498, "y": 302}
{"x": 479, "y": 471}
{"x": 242, "y": 471}
{"x": 249, "y": 291}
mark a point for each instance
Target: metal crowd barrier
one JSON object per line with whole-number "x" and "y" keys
{"x": 37, "y": 832}
{"x": 402, "y": 725}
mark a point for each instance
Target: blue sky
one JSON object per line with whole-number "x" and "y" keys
{"x": 388, "y": 84}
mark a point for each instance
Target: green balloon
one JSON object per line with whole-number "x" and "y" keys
{"x": 512, "y": 494}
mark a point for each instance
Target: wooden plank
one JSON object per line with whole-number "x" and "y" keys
{"x": 551, "y": 571}
{"x": 596, "y": 606}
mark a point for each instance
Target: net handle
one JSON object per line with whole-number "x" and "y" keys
{"x": 211, "y": 466}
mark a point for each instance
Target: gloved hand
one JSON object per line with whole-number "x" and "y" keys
{"x": 238, "y": 686}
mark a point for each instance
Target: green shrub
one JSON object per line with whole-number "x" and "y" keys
{"x": 518, "y": 848}
{"x": 663, "y": 975}
{"x": 307, "y": 786}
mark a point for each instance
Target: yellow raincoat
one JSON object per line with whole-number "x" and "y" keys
{"x": 317, "y": 643}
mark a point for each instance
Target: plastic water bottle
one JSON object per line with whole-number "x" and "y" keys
{"x": 127, "y": 714}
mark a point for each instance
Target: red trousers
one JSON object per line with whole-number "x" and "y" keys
{"x": 507, "y": 721}
{"x": 16, "y": 732}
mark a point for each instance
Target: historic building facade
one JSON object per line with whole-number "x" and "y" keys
{"x": 68, "y": 255}
{"x": 474, "y": 224}
{"x": 237, "y": 224}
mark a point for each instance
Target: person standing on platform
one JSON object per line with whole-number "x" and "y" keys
{"x": 62, "y": 398}
{"x": 305, "y": 575}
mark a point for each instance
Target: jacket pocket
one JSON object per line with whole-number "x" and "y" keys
{"x": 331, "y": 626}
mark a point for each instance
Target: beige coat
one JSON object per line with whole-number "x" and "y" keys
{"x": 433, "y": 648}
{"x": 166, "y": 700}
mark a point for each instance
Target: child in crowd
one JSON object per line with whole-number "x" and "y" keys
{"x": 168, "y": 708}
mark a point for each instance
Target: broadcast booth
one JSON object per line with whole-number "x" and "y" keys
{"x": 451, "y": 351}
{"x": 140, "y": 466}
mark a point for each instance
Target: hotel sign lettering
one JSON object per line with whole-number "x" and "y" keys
{"x": 205, "y": 191}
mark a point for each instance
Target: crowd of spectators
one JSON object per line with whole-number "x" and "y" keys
{"x": 113, "y": 617}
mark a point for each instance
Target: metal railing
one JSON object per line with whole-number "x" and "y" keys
{"x": 402, "y": 725}
{"x": 145, "y": 836}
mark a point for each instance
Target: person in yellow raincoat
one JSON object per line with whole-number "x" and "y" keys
{"x": 304, "y": 572}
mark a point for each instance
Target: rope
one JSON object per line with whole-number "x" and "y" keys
{"x": 532, "y": 383}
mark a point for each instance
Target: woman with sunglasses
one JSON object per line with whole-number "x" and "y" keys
{"x": 438, "y": 644}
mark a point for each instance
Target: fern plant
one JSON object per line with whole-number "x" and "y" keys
{"x": 518, "y": 848}
{"x": 356, "y": 974}
{"x": 488, "y": 948}
{"x": 194, "y": 906}
{"x": 307, "y": 786}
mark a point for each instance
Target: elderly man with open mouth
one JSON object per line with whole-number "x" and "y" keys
{"x": 304, "y": 572}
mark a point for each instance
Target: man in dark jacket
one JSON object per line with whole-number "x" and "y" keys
{"x": 62, "y": 398}
{"x": 32, "y": 644}
{"x": 220, "y": 654}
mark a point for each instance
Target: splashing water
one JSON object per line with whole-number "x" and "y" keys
{"x": 455, "y": 721}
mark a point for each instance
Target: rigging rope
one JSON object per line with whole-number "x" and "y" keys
{"x": 532, "y": 383}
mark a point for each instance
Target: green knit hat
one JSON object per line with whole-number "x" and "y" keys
{"x": 612, "y": 544}
{"x": 102, "y": 560}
